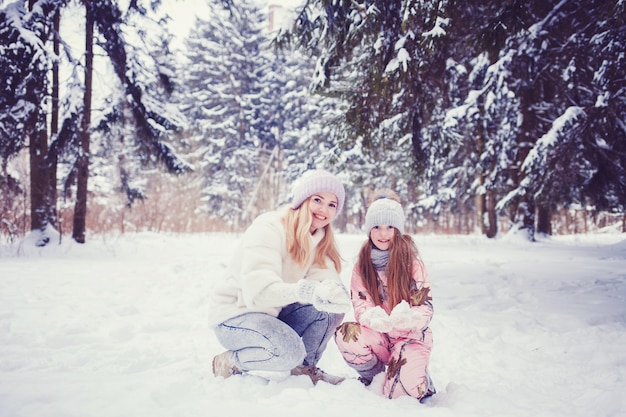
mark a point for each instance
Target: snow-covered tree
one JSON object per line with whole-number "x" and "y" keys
{"x": 25, "y": 29}
{"x": 256, "y": 126}
{"x": 571, "y": 149}
{"x": 226, "y": 60}
{"x": 29, "y": 31}
{"x": 385, "y": 59}
{"x": 472, "y": 91}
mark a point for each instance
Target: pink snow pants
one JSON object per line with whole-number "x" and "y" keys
{"x": 406, "y": 360}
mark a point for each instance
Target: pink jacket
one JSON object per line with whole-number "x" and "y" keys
{"x": 420, "y": 300}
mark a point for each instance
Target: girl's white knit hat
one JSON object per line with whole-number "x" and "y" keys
{"x": 317, "y": 181}
{"x": 382, "y": 212}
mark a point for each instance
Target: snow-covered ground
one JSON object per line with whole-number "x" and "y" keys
{"x": 117, "y": 328}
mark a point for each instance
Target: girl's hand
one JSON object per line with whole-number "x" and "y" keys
{"x": 377, "y": 319}
{"x": 403, "y": 317}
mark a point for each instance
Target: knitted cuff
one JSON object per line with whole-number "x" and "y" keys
{"x": 304, "y": 291}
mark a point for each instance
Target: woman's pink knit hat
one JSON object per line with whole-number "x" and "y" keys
{"x": 317, "y": 181}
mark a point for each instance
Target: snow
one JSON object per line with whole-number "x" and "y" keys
{"x": 117, "y": 327}
{"x": 551, "y": 139}
{"x": 437, "y": 30}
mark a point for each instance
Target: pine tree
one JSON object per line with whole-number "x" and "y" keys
{"x": 26, "y": 28}
{"x": 389, "y": 61}
{"x": 29, "y": 80}
{"x": 226, "y": 62}
{"x": 571, "y": 149}
{"x": 478, "y": 91}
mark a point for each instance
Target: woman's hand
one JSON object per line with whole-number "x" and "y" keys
{"x": 329, "y": 295}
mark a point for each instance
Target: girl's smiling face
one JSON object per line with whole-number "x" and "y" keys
{"x": 323, "y": 208}
{"x": 382, "y": 236}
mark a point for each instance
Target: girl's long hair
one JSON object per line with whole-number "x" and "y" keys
{"x": 402, "y": 253}
{"x": 297, "y": 225}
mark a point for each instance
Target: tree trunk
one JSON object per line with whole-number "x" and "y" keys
{"x": 54, "y": 122}
{"x": 481, "y": 199}
{"x": 35, "y": 128}
{"x": 525, "y": 210}
{"x": 38, "y": 148}
{"x": 480, "y": 210}
{"x": 544, "y": 220}
{"x": 82, "y": 162}
{"x": 491, "y": 217}
{"x": 525, "y": 217}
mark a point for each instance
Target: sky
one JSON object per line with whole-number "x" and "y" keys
{"x": 118, "y": 327}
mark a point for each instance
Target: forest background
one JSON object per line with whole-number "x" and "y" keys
{"x": 485, "y": 116}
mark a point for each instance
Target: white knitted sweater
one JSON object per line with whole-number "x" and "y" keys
{"x": 262, "y": 276}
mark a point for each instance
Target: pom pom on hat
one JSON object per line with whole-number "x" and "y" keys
{"x": 384, "y": 211}
{"x": 317, "y": 181}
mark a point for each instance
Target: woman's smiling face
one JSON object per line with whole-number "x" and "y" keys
{"x": 323, "y": 208}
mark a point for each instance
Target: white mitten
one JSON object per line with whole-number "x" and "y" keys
{"x": 403, "y": 317}
{"x": 331, "y": 296}
{"x": 377, "y": 319}
{"x": 304, "y": 291}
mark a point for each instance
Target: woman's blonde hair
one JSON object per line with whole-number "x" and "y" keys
{"x": 402, "y": 253}
{"x": 297, "y": 226}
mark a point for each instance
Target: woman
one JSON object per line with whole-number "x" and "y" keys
{"x": 392, "y": 307}
{"x": 282, "y": 296}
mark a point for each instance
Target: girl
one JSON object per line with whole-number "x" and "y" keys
{"x": 282, "y": 296}
{"x": 392, "y": 307}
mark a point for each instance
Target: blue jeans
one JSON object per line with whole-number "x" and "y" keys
{"x": 260, "y": 342}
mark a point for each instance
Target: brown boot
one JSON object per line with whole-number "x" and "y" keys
{"x": 224, "y": 365}
{"x": 316, "y": 374}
